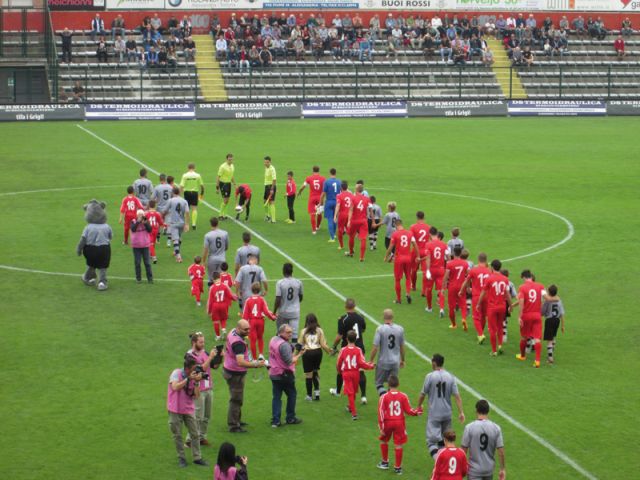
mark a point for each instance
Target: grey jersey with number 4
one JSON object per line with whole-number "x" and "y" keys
{"x": 389, "y": 221}
{"x": 553, "y": 309}
{"x": 289, "y": 290}
{"x": 175, "y": 211}
{"x": 439, "y": 386}
{"x": 243, "y": 253}
{"x": 482, "y": 437}
{"x": 217, "y": 242}
{"x": 162, "y": 194}
{"x": 389, "y": 338}
{"x": 143, "y": 189}
{"x": 247, "y": 275}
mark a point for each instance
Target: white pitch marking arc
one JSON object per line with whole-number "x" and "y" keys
{"x": 555, "y": 451}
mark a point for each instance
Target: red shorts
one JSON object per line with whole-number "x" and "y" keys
{"x": 531, "y": 326}
{"x": 479, "y": 315}
{"x": 257, "y": 328}
{"x": 395, "y": 429}
{"x": 220, "y": 313}
{"x": 313, "y": 204}
{"x": 342, "y": 222}
{"x": 495, "y": 317}
{"x": 351, "y": 381}
{"x": 456, "y": 300}
{"x": 360, "y": 228}
{"x": 402, "y": 266}
{"x": 196, "y": 285}
{"x": 437, "y": 275}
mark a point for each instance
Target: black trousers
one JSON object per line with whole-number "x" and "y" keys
{"x": 290, "y": 200}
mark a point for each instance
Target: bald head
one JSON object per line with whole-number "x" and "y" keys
{"x": 387, "y": 315}
{"x": 242, "y": 328}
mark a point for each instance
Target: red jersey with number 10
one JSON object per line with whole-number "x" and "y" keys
{"x": 360, "y": 206}
{"x": 497, "y": 288}
{"x": 451, "y": 464}
{"x": 401, "y": 240}
{"x": 421, "y": 234}
{"x": 437, "y": 252}
{"x": 315, "y": 182}
{"x": 531, "y": 293}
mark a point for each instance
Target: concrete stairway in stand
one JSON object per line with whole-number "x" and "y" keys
{"x": 209, "y": 72}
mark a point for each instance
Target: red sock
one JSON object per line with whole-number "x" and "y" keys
{"x": 398, "y": 457}
{"x": 414, "y": 278}
{"x": 407, "y": 285}
{"x": 523, "y": 347}
{"x": 126, "y": 235}
{"x": 253, "y": 347}
{"x": 340, "y": 239}
{"x": 313, "y": 223}
{"x": 216, "y": 327}
{"x": 363, "y": 247}
{"x": 318, "y": 221}
{"x": 500, "y": 333}
{"x": 479, "y": 327}
{"x": 398, "y": 290}
{"x": 492, "y": 337}
{"x": 429, "y": 298}
{"x": 384, "y": 449}
{"x": 352, "y": 241}
{"x": 441, "y": 299}
{"x": 537, "y": 347}
{"x": 224, "y": 323}
{"x": 152, "y": 248}
{"x": 260, "y": 345}
{"x": 352, "y": 404}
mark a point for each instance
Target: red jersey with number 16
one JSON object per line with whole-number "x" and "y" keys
{"x": 497, "y": 288}
{"x": 401, "y": 240}
{"x": 360, "y": 206}
{"x": 531, "y": 293}
{"x": 451, "y": 464}
{"x": 315, "y": 182}
{"x": 130, "y": 205}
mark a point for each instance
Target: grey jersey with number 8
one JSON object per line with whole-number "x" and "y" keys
{"x": 439, "y": 386}
{"x": 389, "y": 339}
{"x": 247, "y": 275}
{"x": 482, "y": 437}
{"x": 289, "y": 290}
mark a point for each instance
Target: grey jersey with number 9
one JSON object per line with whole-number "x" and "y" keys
{"x": 247, "y": 275}
{"x": 482, "y": 438}
{"x": 389, "y": 338}
{"x": 439, "y": 386}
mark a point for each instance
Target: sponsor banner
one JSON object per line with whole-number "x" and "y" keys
{"x": 140, "y": 111}
{"x": 544, "y": 108}
{"x": 623, "y": 107}
{"x": 462, "y": 108}
{"x": 76, "y": 4}
{"x": 354, "y": 109}
{"x": 314, "y": 4}
{"x": 135, "y": 4}
{"x": 402, "y": 4}
{"x": 493, "y": 5}
{"x": 35, "y": 113}
{"x": 212, "y": 4}
{"x": 208, "y": 111}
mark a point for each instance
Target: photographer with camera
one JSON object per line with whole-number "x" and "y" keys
{"x": 204, "y": 363}
{"x": 183, "y": 389}
{"x": 225, "y": 468}
{"x": 140, "y": 241}
{"x": 282, "y": 364}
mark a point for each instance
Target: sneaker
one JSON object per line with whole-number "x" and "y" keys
{"x": 168, "y": 243}
{"x": 218, "y": 338}
{"x": 409, "y": 299}
{"x": 102, "y": 286}
{"x": 178, "y": 258}
{"x": 428, "y": 310}
{"x": 199, "y": 304}
{"x": 536, "y": 364}
{"x": 273, "y": 221}
{"x": 154, "y": 259}
{"x": 261, "y": 357}
{"x": 294, "y": 421}
{"x": 348, "y": 254}
{"x": 332, "y": 240}
{"x": 397, "y": 470}
{"x": 453, "y": 327}
{"x": 464, "y": 326}
{"x": 481, "y": 339}
{"x": 275, "y": 425}
{"x": 267, "y": 218}
{"x": 204, "y": 441}
{"x": 441, "y": 313}
{"x": 138, "y": 281}
{"x": 182, "y": 463}
{"x": 493, "y": 354}
{"x": 308, "y": 398}
{"x": 550, "y": 361}
{"x": 521, "y": 357}
{"x": 91, "y": 282}
{"x": 202, "y": 462}
{"x": 334, "y": 392}
{"x": 500, "y": 351}
{"x": 316, "y": 395}
{"x": 224, "y": 332}
{"x": 237, "y": 430}
{"x": 383, "y": 465}
{"x": 150, "y": 281}
{"x": 397, "y": 302}
{"x": 354, "y": 417}
{"x": 363, "y": 400}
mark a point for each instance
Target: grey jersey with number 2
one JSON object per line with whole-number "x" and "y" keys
{"x": 439, "y": 386}
{"x": 482, "y": 438}
{"x": 389, "y": 338}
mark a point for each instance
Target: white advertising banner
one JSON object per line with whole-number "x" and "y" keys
{"x": 494, "y": 5}
{"x": 213, "y": 4}
{"x": 135, "y": 4}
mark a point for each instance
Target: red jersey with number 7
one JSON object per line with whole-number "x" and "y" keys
{"x": 360, "y": 206}
{"x": 451, "y": 464}
{"x": 457, "y": 269}
{"x": 401, "y": 240}
{"x": 497, "y": 288}
{"x": 531, "y": 293}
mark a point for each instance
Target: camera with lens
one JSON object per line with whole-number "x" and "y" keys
{"x": 298, "y": 347}
{"x": 202, "y": 372}
{"x": 217, "y": 359}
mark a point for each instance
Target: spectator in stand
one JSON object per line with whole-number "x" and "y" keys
{"x": 557, "y": 46}
{"x": 511, "y": 25}
{"x": 625, "y": 28}
{"x": 445, "y": 49}
{"x": 317, "y": 48}
{"x": 510, "y": 44}
{"x": 578, "y": 26}
{"x": 146, "y": 21}
{"x": 298, "y": 46}
{"x": 475, "y": 47}
{"x": 374, "y": 28}
{"x": 254, "y": 57}
{"x": 101, "y": 50}
{"x": 490, "y": 28}
{"x": 78, "y": 93}
{"x": 132, "y": 49}
{"x": 501, "y": 27}
{"x": 152, "y": 57}
{"x": 66, "y": 36}
{"x": 97, "y": 27}
{"x": 119, "y": 48}
{"x": 517, "y": 57}
{"x": 531, "y": 22}
{"x": 117, "y": 27}
{"x": 232, "y": 58}
{"x": 428, "y": 45}
{"x": 487, "y": 57}
{"x": 391, "y": 48}
{"x": 173, "y": 42}
{"x": 185, "y": 27}
{"x": 172, "y": 58}
{"x": 291, "y": 23}
{"x": 189, "y": 47}
{"x": 347, "y": 26}
{"x": 365, "y": 50}
{"x": 602, "y": 31}
{"x": 564, "y": 23}
{"x": 143, "y": 55}
{"x": 163, "y": 58}
{"x": 221, "y": 48}
{"x": 266, "y": 59}
{"x": 618, "y": 46}
{"x": 336, "y": 49}
{"x": 458, "y": 54}
{"x": 528, "y": 56}
{"x": 173, "y": 25}
{"x": 156, "y": 23}
{"x": 396, "y": 33}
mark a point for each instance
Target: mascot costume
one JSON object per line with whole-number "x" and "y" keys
{"x": 95, "y": 244}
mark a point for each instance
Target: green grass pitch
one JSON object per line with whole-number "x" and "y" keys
{"x": 84, "y": 373}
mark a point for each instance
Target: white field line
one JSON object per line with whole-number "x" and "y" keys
{"x": 60, "y": 189}
{"x": 561, "y": 455}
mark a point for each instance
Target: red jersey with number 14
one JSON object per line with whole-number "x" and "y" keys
{"x": 401, "y": 240}
{"x": 315, "y": 182}
{"x": 531, "y": 293}
{"x": 451, "y": 464}
{"x": 360, "y": 206}
{"x": 130, "y": 205}
{"x": 497, "y": 287}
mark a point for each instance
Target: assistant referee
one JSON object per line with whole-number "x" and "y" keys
{"x": 223, "y": 184}
{"x": 192, "y": 187}
{"x": 269, "y": 190}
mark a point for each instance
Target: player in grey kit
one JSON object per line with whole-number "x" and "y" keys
{"x": 245, "y": 250}
{"x": 176, "y": 216}
{"x": 481, "y": 439}
{"x": 216, "y": 244}
{"x": 288, "y": 297}
{"x": 439, "y": 386}
{"x": 162, "y": 193}
{"x": 143, "y": 188}
{"x": 389, "y": 342}
{"x": 247, "y": 275}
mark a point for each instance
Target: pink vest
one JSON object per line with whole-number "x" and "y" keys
{"x": 201, "y": 358}
{"x": 229, "y": 475}
{"x": 230, "y": 362}
{"x": 275, "y": 361}
{"x": 140, "y": 238}
{"x": 178, "y": 401}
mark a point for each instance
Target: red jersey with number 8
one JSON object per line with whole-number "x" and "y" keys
{"x": 401, "y": 240}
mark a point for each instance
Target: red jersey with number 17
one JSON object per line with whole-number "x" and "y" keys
{"x": 531, "y": 293}
{"x": 401, "y": 240}
{"x": 421, "y": 234}
{"x": 345, "y": 200}
{"x": 497, "y": 288}
{"x": 360, "y": 206}
{"x": 315, "y": 182}
{"x": 437, "y": 250}
{"x": 451, "y": 464}
{"x": 220, "y": 296}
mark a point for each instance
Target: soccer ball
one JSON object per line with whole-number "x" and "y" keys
{"x": 319, "y": 209}
{"x": 239, "y": 208}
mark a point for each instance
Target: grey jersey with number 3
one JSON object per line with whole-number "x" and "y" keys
{"x": 175, "y": 212}
{"x": 246, "y": 276}
{"x": 289, "y": 290}
{"x": 482, "y": 438}
{"x": 439, "y": 386}
{"x": 217, "y": 242}
{"x": 389, "y": 338}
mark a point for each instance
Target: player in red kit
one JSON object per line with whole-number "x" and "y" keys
{"x": 220, "y": 298}
{"x": 477, "y": 278}
{"x": 357, "y": 222}
{"x": 315, "y": 182}
{"x": 405, "y": 246}
{"x": 350, "y": 362}
{"x": 156, "y": 221}
{"x": 196, "y": 275}
{"x": 392, "y": 407}
{"x": 255, "y": 309}
{"x": 420, "y": 231}
{"x": 243, "y": 199}
{"x": 451, "y": 462}
{"x": 496, "y": 291}
{"x": 225, "y": 277}
{"x": 290, "y": 193}
{"x": 130, "y": 205}
{"x": 530, "y": 297}
{"x": 344, "y": 200}
{"x": 454, "y": 277}
{"x": 434, "y": 274}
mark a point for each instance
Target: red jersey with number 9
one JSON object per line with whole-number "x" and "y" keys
{"x": 401, "y": 240}
{"x": 497, "y": 287}
{"x": 531, "y": 293}
{"x": 451, "y": 464}
{"x": 360, "y": 206}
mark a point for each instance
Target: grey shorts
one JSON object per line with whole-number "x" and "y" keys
{"x": 175, "y": 231}
{"x": 213, "y": 265}
{"x": 471, "y": 476}
{"x": 292, "y": 321}
{"x": 435, "y": 429}
{"x": 384, "y": 371}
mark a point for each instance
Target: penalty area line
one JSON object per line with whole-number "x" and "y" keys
{"x": 541, "y": 441}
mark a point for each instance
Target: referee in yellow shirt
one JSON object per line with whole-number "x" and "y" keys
{"x": 269, "y": 190}
{"x": 192, "y": 187}
{"x": 223, "y": 184}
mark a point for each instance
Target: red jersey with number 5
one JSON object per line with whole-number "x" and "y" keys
{"x": 219, "y": 296}
{"x": 315, "y": 182}
{"x": 497, "y": 288}
{"x": 421, "y": 234}
{"x": 531, "y": 293}
{"x": 130, "y": 205}
{"x": 360, "y": 206}
{"x": 451, "y": 464}
{"x": 401, "y": 240}
{"x": 345, "y": 200}
{"x": 437, "y": 252}
{"x": 457, "y": 269}
{"x": 478, "y": 275}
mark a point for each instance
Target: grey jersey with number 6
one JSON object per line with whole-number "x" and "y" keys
{"x": 143, "y": 189}
{"x": 289, "y": 290}
{"x": 175, "y": 211}
{"x": 389, "y": 338}
{"x": 162, "y": 194}
{"x": 389, "y": 221}
{"x": 439, "y": 386}
{"x": 243, "y": 253}
{"x": 217, "y": 242}
{"x": 482, "y": 437}
{"x": 247, "y": 275}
